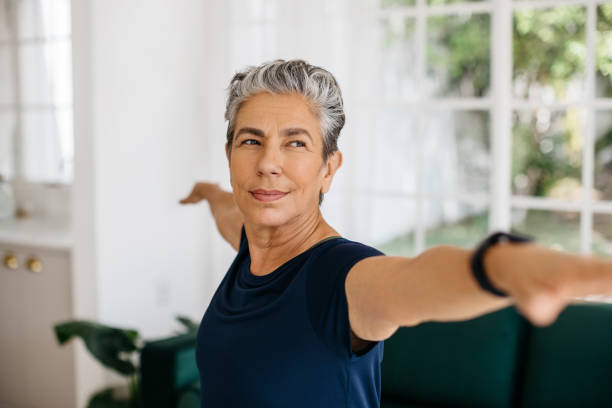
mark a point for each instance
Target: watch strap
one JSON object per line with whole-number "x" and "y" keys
{"x": 477, "y": 264}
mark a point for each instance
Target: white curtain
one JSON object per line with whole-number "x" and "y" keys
{"x": 37, "y": 113}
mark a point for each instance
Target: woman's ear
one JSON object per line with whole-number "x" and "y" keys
{"x": 228, "y": 152}
{"x": 334, "y": 161}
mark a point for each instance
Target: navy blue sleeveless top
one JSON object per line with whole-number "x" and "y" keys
{"x": 283, "y": 339}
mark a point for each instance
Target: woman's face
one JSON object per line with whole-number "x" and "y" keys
{"x": 278, "y": 146}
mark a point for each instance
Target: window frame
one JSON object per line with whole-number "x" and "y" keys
{"x": 500, "y": 104}
{"x": 18, "y": 107}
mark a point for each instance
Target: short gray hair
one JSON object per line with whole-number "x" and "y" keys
{"x": 316, "y": 84}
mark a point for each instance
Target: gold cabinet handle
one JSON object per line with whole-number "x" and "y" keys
{"x": 34, "y": 265}
{"x": 10, "y": 261}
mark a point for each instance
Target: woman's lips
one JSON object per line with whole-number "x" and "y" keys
{"x": 267, "y": 197}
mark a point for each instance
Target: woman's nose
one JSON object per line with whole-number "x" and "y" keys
{"x": 270, "y": 160}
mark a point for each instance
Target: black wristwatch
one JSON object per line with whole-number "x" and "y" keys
{"x": 477, "y": 264}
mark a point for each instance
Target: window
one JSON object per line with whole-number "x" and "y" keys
{"x": 36, "y": 110}
{"x": 499, "y": 117}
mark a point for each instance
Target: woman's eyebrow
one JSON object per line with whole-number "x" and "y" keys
{"x": 296, "y": 131}
{"x": 285, "y": 132}
{"x": 253, "y": 131}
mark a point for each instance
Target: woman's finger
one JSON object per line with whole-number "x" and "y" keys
{"x": 541, "y": 309}
{"x": 193, "y": 196}
{"x": 189, "y": 200}
{"x": 199, "y": 192}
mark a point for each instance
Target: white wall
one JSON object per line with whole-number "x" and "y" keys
{"x": 141, "y": 78}
{"x": 147, "y": 67}
{"x": 219, "y": 71}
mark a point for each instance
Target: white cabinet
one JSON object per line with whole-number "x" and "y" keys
{"x": 34, "y": 370}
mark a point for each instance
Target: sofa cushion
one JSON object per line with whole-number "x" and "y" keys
{"x": 189, "y": 397}
{"x": 569, "y": 363}
{"x": 470, "y": 363}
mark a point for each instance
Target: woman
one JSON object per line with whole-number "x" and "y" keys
{"x": 300, "y": 317}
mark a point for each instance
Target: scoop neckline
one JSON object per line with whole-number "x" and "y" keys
{"x": 275, "y": 272}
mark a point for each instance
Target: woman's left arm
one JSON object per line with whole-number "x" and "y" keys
{"x": 386, "y": 292}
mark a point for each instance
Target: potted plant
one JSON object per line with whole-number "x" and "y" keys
{"x": 117, "y": 349}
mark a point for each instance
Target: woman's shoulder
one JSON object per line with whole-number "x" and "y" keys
{"x": 331, "y": 265}
{"x": 344, "y": 248}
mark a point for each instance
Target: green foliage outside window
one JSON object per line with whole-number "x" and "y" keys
{"x": 604, "y": 49}
{"x": 549, "y": 63}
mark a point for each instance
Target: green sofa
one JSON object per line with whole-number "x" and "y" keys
{"x": 496, "y": 360}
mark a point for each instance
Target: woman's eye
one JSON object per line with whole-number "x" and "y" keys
{"x": 246, "y": 141}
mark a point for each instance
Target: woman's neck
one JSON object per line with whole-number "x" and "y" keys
{"x": 271, "y": 248}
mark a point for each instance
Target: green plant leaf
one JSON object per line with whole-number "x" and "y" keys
{"x": 106, "y": 344}
{"x": 105, "y": 399}
{"x": 189, "y": 324}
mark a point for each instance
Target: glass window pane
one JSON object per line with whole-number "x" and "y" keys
{"x": 547, "y": 153}
{"x": 555, "y": 229}
{"x": 458, "y": 56}
{"x": 7, "y": 133}
{"x": 65, "y": 124}
{"x": 5, "y": 20}
{"x": 46, "y": 73}
{"x": 44, "y": 18}
{"x": 457, "y": 223}
{"x": 54, "y": 18}
{"x": 7, "y": 76}
{"x": 603, "y": 156}
{"x": 34, "y": 77}
{"x": 392, "y": 222}
{"x": 396, "y": 3}
{"x": 456, "y": 156}
{"x": 47, "y": 145}
{"x": 549, "y": 53}
{"x": 398, "y": 49}
{"x": 28, "y": 15}
{"x": 440, "y": 2}
{"x": 394, "y": 152}
{"x": 603, "y": 86}
{"x": 602, "y": 235}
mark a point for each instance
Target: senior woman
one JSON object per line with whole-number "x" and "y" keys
{"x": 300, "y": 317}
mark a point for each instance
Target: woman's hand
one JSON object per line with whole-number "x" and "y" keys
{"x": 542, "y": 281}
{"x": 201, "y": 191}
{"x": 227, "y": 216}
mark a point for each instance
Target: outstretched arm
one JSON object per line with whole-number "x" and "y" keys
{"x": 223, "y": 208}
{"x": 386, "y": 292}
